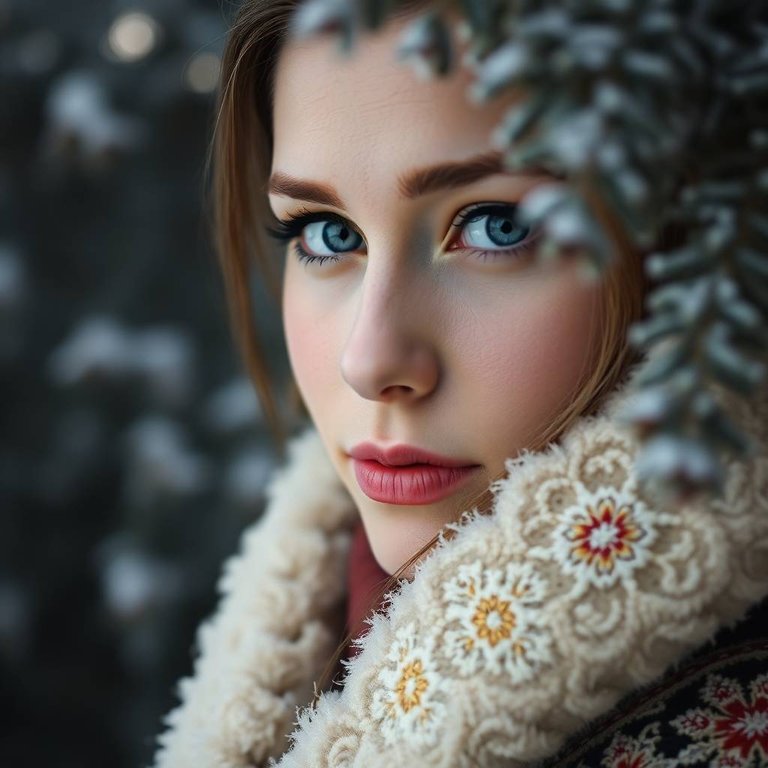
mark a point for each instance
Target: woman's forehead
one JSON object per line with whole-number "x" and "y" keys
{"x": 370, "y": 113}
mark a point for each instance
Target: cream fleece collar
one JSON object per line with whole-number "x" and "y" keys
{"x": 513, "y": 633}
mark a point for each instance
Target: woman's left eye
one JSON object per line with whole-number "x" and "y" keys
{"x": 492, "y": 228}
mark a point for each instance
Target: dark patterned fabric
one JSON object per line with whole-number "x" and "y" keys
{"x": 712, "y": 710}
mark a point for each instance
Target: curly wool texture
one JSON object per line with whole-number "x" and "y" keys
{"x": 277, "y": 624}
{"x": 513, "y": 633}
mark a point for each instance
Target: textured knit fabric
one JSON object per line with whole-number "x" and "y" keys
{"x": 522, "y": 627}
{"x": 711, "y": 710}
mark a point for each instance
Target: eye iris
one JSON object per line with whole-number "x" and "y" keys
{"x": 502, "y": 230}
{"x": 339, "y": 237}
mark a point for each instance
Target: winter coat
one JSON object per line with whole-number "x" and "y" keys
{"x": 572, "y": 625}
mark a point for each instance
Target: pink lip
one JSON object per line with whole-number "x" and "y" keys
{"x": 404, "y": 474}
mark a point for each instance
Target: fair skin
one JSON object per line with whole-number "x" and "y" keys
{"x": 443, "y": 337}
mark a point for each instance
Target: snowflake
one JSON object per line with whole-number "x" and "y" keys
{"x": 494, "y": 621}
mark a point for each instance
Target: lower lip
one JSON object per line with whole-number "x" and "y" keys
{"x": 410, "y": 484}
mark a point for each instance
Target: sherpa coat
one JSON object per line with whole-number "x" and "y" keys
{"x": 515, "y": 635}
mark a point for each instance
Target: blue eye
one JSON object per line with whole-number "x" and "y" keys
{"x": 490, "y": 230}
{"x": 492, "y": 227}
{"x": 319, "y": 236}
{"x": 329, "y": 237}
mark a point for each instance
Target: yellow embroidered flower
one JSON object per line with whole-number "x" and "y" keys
{"x": 411, "y": 685}
{"x": 408, "y": 700}
{"x": 494, "y": 620}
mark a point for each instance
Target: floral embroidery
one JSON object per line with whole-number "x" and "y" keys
{"x": 628, "y": 752}
{"x": 735, "y": 728}
{"x": 720, "y": 690}
{"x": 694, "y": 723}
{"x": 411, "y": 686}
{"x": 604, "y": 537}
{"x": 407, "y": 703}
{"x": 494, "y": 622}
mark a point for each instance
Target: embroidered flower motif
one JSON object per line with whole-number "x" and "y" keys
{"x": 693, "y": 723}
{"x": 494, "y": 621}
{"x": 744, "y": 726}
{"x": 628, "y": 752}
{"x": 735, "y": 728}
{"x": 408, "y": 700}
{"x": 720, "y": 690}
{"x": 604, "y": 537}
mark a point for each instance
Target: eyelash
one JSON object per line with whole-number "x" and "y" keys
{"x": 292, "y": 227}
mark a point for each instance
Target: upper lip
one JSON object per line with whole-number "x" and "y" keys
{"x": 402, "y": 454}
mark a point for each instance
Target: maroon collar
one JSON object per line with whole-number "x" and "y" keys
{"x": 365, "y": 578}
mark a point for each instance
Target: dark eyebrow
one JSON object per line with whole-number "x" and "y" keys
{"x": 415, "y": 183}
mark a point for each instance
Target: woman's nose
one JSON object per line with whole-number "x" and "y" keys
{"x": 391, "y": 350}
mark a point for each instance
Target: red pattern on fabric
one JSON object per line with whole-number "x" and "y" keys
{"x": 744, "y": 726}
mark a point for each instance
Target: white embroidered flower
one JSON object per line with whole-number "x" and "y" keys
{"x": 693, "y": 722}
{"x": 494, "y": 620}
{"x": 603, "y": 537}
{"x": 641, "y": 751}
{"x": 408, "y": 699}
{"x": 719, "y": 691}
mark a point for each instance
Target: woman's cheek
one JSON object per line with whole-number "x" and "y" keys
{"x": 530, "y": 359}
{"x": 311, "y": 333}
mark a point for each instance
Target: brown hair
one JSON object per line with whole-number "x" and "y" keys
{"x": 241, "y": 154}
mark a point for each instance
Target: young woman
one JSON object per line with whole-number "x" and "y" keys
{"x": 462, "y": 396}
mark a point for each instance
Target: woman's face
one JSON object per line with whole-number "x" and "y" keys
{"x": 415, "y": 314}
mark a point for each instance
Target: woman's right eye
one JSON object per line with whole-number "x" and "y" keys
{"x": 318, "y": 236}
{"x": 327, "y": 238}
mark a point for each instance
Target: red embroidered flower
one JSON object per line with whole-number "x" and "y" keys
{"x": 720, "y": 690}
{"x": 605, "y": 534}
{"x": 627, "y": 752}
{"x": 735, "y": 727}
{"x": 693, "y": 722}
{"x": 744, "y": 726}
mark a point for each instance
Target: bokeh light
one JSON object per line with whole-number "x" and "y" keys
{"x": 133, "y": 36}
{"x": 202, "y": 73}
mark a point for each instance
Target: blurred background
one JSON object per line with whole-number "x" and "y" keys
{"x": 132, "y": 448}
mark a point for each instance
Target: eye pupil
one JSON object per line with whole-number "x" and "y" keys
{"x": 339, "y": 237}
{"x": 503, "y": 231}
